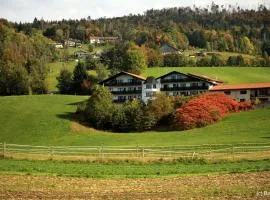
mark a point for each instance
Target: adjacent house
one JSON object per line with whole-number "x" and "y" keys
{"x": 176, "y": 83}
{"x": 126, "y": 86}
{"x": 168, "y": 49}
{"x": 245, "y": 92}
{"x": 59, "y": 46}
{"x": 81, "y": 54}
{"x": 98, "y": 40}
{"x": 73, "y": 43}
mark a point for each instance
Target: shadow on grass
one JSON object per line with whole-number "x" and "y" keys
{"x": 75, "y": 117}
{"x": 81, "y": 119}
{"x": 75, "y": 103}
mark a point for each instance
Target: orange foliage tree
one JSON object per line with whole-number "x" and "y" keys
{"x": 206, "y": 109}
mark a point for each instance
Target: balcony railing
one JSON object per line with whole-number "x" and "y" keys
{"x": 119, "y": 100}
{"x": 124, "y": 83}
{"x": 185, "y": 88}
{"x": 127, "y": 92}
{"x": 177, "y": 80}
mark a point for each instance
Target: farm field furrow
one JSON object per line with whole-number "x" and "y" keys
{"x": 229, "y": 186}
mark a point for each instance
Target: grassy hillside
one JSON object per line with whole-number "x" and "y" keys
{"x": 54, "y": 71}
{"x": 46, "y": 120}
{"x": 232, "y": 75}
{"x": 228, "y": 74}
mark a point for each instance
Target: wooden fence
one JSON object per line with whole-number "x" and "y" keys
{"x": 190, "y": 151}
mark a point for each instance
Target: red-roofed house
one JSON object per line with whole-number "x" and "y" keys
{"x": 245, "y": 92}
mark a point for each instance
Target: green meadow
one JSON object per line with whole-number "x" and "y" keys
{"x": 128, "y": 170}
{"x": 47, "y": 120}
{"x": 230, "y": 75}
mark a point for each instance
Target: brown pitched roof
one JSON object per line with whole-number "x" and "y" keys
{"x": 122, "y": 73}
{"x": 240, "y": 86}
{"x": 213, "y": 80}
{"x": 188, "y": 75}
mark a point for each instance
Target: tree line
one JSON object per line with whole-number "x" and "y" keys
{"x": 23, "y": 61}
{"x": 216, "y": 28}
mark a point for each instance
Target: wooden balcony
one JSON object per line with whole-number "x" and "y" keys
{"x": 177, "y": 80}
{"x": 133, "y": 83}
{"x": 126, "y": 92}
{"x": 184, "y": 88}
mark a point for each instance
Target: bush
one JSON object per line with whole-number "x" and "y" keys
{"x": 99, "y": 108}
{"x": 203, "y": 110}
{"x": 13, "y": 80}
{"x": 204, "y": 62}
{"x": 217, "y": 61}
{"x": 236, "y": 61}
{"x": 65, "y": 83}
{"x": 174, "y": 60}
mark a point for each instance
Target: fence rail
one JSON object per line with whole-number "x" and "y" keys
{"x": 205, "y": 150}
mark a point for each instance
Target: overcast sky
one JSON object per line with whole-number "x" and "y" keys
{"x": 26, "y": 10}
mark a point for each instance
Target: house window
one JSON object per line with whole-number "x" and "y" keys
{"x": 242, "y": 100}
{"x": 148, "y": 86}
{"x": 243, "y": 92}
{"x": 121, "y": 97}
{"x": 194, "y": 84}
{"x": 194, "y": 92}
{"x": 154, "y": 86}
{"x": 175, "y": 93}
{"x": 183, "y": 85}
{"x": 227, "y": 92}
{"x": 148, "y": 94}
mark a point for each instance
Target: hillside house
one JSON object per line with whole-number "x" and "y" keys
{"x": 98, "y": 40}
{"x": 81, "y": 54}
{"x": 126, "y": 86}
{"x": 245, "y": 92}
{"x": 59, "y": 46}
{"x": 72, "y": 43}
{"x": 176, "y": 83}
{"x": 168, "y": 49}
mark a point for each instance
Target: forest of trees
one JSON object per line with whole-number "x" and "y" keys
{"x": 213, "y": 28}
{"x": 23, "y": 61}
{"x": 26, "y": 48}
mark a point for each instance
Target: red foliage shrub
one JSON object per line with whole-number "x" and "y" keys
{"x": 245, "y": 106}
{"x": 206, "y": 109}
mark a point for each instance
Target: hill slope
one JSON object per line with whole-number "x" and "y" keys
{"x": 231, "y": 75}
{"x": 46, "y": 120}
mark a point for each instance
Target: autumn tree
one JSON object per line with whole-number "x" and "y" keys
{"x": 65, "y": 82}
{"x": 99, "y": 108}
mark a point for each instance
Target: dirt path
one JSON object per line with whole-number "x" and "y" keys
{"x": 231, "y": 186}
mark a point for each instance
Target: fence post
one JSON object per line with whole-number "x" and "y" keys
{"x": 193, "y": 155}
{"x": 143, "y": 152}
{"x": 102, "y": 151}
{"x": 4, "y": 149}
{"x": 137, "y": 150}
{"x": 51, "y": 153}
